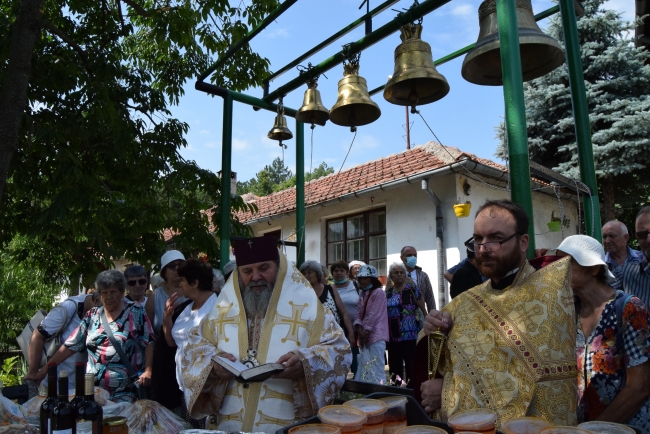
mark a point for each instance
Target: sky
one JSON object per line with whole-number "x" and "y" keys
{"x": 465, "y": 118}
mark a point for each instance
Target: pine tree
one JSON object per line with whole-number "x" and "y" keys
{"x": 617, "y": 78}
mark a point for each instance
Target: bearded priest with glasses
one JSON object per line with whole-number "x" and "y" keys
{"x": 508, "y": 344}
{"x": 266, "y": 313}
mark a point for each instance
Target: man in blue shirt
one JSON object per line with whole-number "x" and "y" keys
{"x": 618, "y": 253}
{"x": 635, "y": 277}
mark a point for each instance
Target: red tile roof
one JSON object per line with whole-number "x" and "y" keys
{"x": 392, "y": 168}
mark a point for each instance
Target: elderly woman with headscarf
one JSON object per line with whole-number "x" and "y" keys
{"x": 130, "y": 328}
{"x": 355, "y": 266}
{"x": 613, "y": 342}
{"x": 328, "y": 296}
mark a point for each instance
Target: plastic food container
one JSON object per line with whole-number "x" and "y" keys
{"x": 564, "y": 430}
{"x": 480, "y": 420}
{"x": 374, "y": 410}
{"x": 420, "y": 429}
{"x": 315, "y": 428}
{"x": 347, "y": 419}
{"x": 395, "y": 416}
{"x": 525, "y": 425}
{"x": 606, "y": 428}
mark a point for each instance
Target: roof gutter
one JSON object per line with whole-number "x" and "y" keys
{"x": 464, "y": 166}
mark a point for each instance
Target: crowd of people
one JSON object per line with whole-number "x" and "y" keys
{"x": 564, "y": 336}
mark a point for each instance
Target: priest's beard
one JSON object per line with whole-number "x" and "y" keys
{"x": 495, "y": 265}
{"x": 256, "y": 300}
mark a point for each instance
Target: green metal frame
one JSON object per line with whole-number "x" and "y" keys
{"x": 512, "y": 91}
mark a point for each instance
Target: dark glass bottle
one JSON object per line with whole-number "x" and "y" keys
{"x": 80, "y": 371}
{"x": 48, "y": 405}
{"x": 90, "y": 414}
{"x": 64, "y": 418}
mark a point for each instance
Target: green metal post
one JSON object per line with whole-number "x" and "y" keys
{"x": 513, "y": 94}
{"x": 226, "y": 156}
{"x": 581, "y": 117}
{"x": 300, "y": 191}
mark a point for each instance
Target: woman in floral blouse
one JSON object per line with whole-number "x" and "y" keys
{"x": 403, "y": 299}
{"x": 613, "y": 343}
{"x": 131, "y": 329}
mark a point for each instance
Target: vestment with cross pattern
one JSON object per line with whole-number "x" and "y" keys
{"x": 513, "y": 350}
{"x": 295, "y": 321}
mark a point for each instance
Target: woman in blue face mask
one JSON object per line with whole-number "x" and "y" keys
{"x": 349, "y": 292}
{"x": 371, "y": 325}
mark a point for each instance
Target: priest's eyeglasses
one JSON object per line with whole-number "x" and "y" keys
{"x": 488, "y": 246}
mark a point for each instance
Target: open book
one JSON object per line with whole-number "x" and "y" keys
{"x": 244, "y": 374}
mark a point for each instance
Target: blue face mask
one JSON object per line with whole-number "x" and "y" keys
{"x": 367, "y": 288}
{"x": 411, "y": 261}
{"x": 340, "y": 282}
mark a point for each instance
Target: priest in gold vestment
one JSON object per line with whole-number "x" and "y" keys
{"x": 510, "y": 343}
{"x": 266, "y": 313}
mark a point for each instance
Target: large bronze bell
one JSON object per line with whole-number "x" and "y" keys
{"x": 540, "y": 53}
{"x": 312, "y": 111}
{"x": 280, "y": 131}
{"x": 353, "y": 107}
{"x": 415, "y": 80}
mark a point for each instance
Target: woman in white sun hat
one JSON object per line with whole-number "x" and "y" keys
{"x": 613, "y": 343}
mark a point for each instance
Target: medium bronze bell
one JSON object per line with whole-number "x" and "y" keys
{"x": 415, "y": 80}
{"x": 540, "y": 53}
{"x": 353, "y": 107}
{"x": 313, "y": 111}
{"x": 280, "y": 131}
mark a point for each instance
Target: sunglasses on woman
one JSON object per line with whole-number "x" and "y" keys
{"x": 138, "y": 281}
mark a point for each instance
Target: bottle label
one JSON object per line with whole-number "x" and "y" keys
{"x": 62, "y": 431}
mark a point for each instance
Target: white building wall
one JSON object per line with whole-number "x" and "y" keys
{"x": 410, "y": 220}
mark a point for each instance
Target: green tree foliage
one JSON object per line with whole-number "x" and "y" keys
{"x": 24, "y": 289}
{"x": 617, "y": 78}
{"x": 92, "y": 167}
{"x": 277, "y": 177}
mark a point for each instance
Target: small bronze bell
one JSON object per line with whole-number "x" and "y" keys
{"x": 280, "y": 131}
{"x": 353, "y": 107}
{"x": 415, "y": 80}
{"x": 540, "y": 53}
{"x": 312, "y": 111}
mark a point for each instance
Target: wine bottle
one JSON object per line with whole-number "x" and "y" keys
{"x": 50, "y": 401}
{"x": 64, "y": 419}
{"x": 80, "y": 371}
{"x": 90, "y": 414}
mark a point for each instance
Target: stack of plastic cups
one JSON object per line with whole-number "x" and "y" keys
{"x": 481, "y": 420}
{"x": 349, "y": 420}
{"x": 395, "y": 416}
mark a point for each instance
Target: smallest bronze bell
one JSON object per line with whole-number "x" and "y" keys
{"x": 313, "y": 111}
{"x": 280, "y": 131}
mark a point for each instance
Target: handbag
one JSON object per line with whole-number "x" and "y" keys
{"x": 52, "y": 344}
{"x": 133, "y": 376}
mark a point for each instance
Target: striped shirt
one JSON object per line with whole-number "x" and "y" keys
{"x": 635, "y": 279}
{"x": 632, "y": 256}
